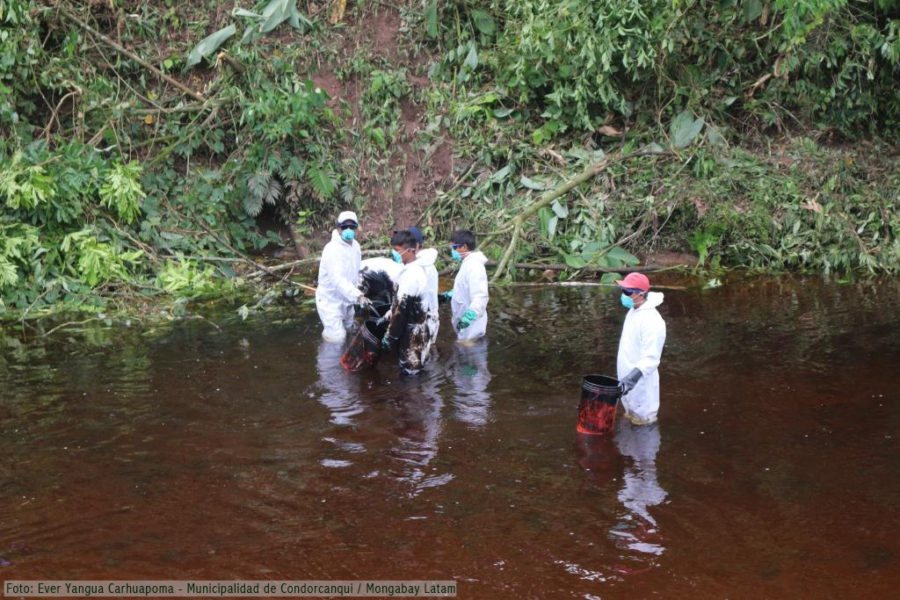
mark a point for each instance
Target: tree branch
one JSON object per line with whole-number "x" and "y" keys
{"x": 119, "y": 48}
{"x": 549, "y": 196}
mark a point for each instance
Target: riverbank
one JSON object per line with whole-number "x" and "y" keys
{"x": 137, "y": 180}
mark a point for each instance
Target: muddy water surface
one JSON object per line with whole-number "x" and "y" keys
{"x": 248, "y": 453}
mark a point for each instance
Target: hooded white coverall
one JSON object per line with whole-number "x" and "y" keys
{"x": 413, "y": 286}
{"x": 337, "y": 292}
{"x": 640, "y": 347}
{"x": 470, "y": 290}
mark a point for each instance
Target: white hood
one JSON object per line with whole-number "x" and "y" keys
{"x": 476, "y": 256}
{"x": 654, "y": 299}
{"x": 426, "y": 257}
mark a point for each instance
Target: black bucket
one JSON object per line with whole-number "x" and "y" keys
{"x": 365, "y": 347}
{"x": 599, "y": 399}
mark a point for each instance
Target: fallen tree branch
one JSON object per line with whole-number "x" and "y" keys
{"x": 287, "y": 266}
{"x": 121, "y": 49}
{"x": 679, "y": 288}
{"x": 588, "y": 269}
{"x": 309, "y": 260}
{"x": 68, "y": 323}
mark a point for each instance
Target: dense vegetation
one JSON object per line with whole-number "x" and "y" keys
{"x": 141, "y": 141}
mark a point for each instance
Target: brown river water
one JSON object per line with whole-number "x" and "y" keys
{"x": 248, "y": 453}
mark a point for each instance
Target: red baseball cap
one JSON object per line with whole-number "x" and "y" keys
{"x": 635, "y": 281}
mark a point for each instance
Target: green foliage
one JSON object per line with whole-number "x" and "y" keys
{"x": 576, "y": 59}
{"x": 122, "y": 190}
{"x": 208, "y": 45}
{"x": 186, "y": 279}
{"x": 272, "y": 15}
{"x": 115, "y": 183}
{"x": 581, "y": 63}
{"x": 702, "y": 240}
{"x": 381, "y": 105}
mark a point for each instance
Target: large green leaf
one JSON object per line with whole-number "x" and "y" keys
{"x": 752, "y": 10}
{"x": 610, "y": 278}
{"x": 617, "y": 257}
{"x": 561, "y": 210}
{"x": 684, "y": 128}
{"x": 208, "y": 45}
{"x": 471, "y": 60}
{"x": 531, "y": 184}
{"x": 484, "y": 22}
{"x": 274, "y": 14}
{"x": 321, "y": 182}
{"x": 431, "y": 27}
{"x": 574, "y": 261}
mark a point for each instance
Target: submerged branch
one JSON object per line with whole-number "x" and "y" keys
{"x": 562, "y": 267}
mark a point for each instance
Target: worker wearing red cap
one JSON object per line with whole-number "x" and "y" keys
{"x": 640, "y": 349}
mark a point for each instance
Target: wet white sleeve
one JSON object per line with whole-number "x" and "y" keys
{"x": 478, "y": 290}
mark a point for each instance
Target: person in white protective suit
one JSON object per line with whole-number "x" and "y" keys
{"x": 469, "y": 296}
{"x": 338, "y": 272}
{"x": 414, "y": 315}
{"x": 427, "y": 257}
{"x": 640, "y": 349}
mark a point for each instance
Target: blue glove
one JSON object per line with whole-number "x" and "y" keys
{"x": 445, "y": 297}
{"x": 467, "y": 319}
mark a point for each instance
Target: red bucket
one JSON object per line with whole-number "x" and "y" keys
{"x": 364, "y": 349}
{"x": 599, "y": 399}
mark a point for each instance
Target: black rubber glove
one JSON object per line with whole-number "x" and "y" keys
{"x": 629, "y": 381}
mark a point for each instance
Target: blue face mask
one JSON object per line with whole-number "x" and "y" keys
{"x": 347, "y": 235}
{"x": 627, "y": 302}
{"x": 455, "y": 255}
{"x": 398, "y": 258}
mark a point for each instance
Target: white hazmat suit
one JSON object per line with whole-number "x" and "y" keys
{"x": 414, "y": 317}
{"x": 640, "y": 347}
{"x": 337, "y": 292}
{"x": 470, "y": 291}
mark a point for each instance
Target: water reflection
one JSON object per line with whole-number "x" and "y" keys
{"x": 417, "y": 426}
{"x": 634, "y": 532}
{"x": 468, "y": 369}
{"x": 636, "y": 529}
{"x": 787, "y": 483}
{"x": 340, "y": 389}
